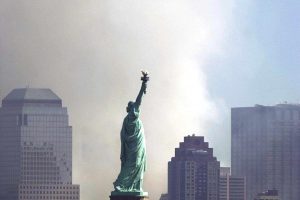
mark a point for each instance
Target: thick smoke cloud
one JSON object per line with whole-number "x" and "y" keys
{"x": 90, "y": 53}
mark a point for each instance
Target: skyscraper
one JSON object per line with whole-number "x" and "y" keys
{"x": 194, "y": 172}
{"x": 265, "y": 148}
{"x": 231, "y": 187}
{"x": 35, "y": 147}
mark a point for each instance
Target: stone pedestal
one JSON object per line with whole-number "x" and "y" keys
{"x": 119, "y": 197}
{"x": 129, "y": 196}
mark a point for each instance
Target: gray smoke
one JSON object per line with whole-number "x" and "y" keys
{"x": 90, "y": 53}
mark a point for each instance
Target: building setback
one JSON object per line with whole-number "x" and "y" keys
{"x": 265, "y": 148}
{"x": 194, "y": 172}
{"x": 35, "y": 147}
{"x": 231, "y": 187}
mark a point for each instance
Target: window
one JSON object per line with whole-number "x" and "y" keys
{"x": 25, "y": 120}
{"x": 19, "y": 121}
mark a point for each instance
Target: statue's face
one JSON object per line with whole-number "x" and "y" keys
{"x": 129, "y": 106}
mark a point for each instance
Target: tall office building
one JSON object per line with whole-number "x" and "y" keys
{"x": 35, "y": 147}
{"x": 194, "y": 172}
{"x": 231, "y": 187}
{"x": 265, "y": 148}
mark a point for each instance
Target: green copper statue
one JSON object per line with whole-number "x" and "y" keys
{"x": 133, "y": 149}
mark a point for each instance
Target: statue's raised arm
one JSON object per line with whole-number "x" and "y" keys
{"x": 144, "y": 78}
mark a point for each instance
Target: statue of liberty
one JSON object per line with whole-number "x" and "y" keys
{"x": 133, "y": 149}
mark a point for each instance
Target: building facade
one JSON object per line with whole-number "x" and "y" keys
{"x": 231, "y": 187}
{"x": 268, "y": 195}
{"x": 35, "y": 147}
{"x": 193, "y": 173}
{"x": 164, "y": 197}
{"x": 265, "y": 148}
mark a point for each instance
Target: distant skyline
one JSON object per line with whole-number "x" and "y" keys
{"x": 203, "y": 57}
{"x": 260, "y": 63}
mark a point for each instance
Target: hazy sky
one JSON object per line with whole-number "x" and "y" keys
{"x": 203, "y": 56}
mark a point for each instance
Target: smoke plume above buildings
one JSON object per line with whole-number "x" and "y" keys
{"x": 91, "y": 52}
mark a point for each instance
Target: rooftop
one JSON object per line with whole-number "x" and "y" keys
{"x": 31, "y": 95}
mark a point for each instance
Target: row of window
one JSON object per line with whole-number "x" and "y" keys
{"x": 42, "y": 182}
{"x": 47, "y": 197}
{"x": 48, "y": 187}
{"x": 47, "y": 169}
{"x": 40, "y": 178}
{"x": 22, "y": 120}
{"x": 37, "y": 158}
{"x": 48, "y": 192}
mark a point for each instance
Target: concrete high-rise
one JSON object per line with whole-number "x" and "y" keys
{"x": 35, "y": 147}
{"x": 265, "y": 148}
{"x": 194, "y": 172}
{"x": 231, "y": 187}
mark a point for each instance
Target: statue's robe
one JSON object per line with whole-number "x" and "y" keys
{"x": 133, "y": 153}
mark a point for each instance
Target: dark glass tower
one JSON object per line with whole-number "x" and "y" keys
{"x": 194, "y": 172}
{"x": 35, "y": 147}
{"x": 265, "y": 148}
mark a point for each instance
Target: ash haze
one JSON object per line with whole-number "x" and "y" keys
{"x": 90, "y": 54}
